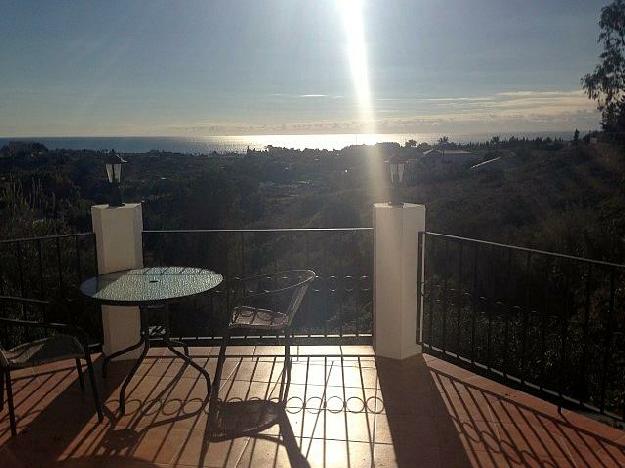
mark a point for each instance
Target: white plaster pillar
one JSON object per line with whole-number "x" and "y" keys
{"x": 118, "y": 232}
{"x": 396, "y": 267}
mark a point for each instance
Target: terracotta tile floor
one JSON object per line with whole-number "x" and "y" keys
{"x": 345, "y": 408}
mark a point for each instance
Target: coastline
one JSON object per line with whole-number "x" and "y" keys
{"x": 240, "y": 143}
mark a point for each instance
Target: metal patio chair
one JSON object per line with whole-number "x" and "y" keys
{"x": 66, "y": 342}
{"x": 267, "y": 304}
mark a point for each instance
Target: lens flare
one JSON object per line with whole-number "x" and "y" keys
{"x": 352, "y": 16}
{"x": 351, "y": 12}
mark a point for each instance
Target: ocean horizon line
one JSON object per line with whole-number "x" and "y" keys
{"x": 240, "y": 143}
{"x": 242, "y": 135}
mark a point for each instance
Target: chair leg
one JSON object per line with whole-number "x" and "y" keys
{"x": 81, "y": 379}
{"x": 94, "y": 387}
{"x": 286, "y": 375}
{"x": 221, "y": 359}
{"x": 7, "y": 378}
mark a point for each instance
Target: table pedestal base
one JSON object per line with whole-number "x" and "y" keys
{"x": 161, "y": 333}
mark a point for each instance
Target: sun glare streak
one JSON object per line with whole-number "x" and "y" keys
{"x": 351, "y": 12}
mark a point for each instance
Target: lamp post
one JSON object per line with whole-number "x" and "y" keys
{"x": 396, "y": 167}
{"x": 113, "y": 163}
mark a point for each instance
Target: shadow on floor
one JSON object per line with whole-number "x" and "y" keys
{"x": 416, "y": 414}
{"x": 51, "y": 411}
{"x": 56, "y": 420}
{"x": 57, "y": 424}
{"x": 231, "y": 420}
{"x": 499, "y": 428}
{"x": 345, "y": 410}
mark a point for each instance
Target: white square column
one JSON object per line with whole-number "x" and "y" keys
{"x": 396, "y": 265}
{"x": 118, "y": 232}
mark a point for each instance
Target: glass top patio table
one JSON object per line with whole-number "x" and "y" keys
{"x": 146, "y": 286}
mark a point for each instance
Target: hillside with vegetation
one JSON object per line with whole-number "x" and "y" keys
{"x": 564, "y": 197}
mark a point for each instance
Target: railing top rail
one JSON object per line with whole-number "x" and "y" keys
{"x": 527, "y": 249}
{"x": 186, "y": 231}
{"x": 24, "y": 300}
{"x": 51, "y": 236}
{"x": 198, "y": 231}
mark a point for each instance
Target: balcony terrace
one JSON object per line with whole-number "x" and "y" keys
{"x": 497, "y": 384}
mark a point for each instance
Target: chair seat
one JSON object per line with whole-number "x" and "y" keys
{"x": 258, "y": 319}
{"x": 34, "y": 353}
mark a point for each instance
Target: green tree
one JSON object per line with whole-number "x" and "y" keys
{"x": 606, "y": 84}
{"x": 576, "y": 137}
{"x": 443, "y": 142}
{"x": 410, "y": 143}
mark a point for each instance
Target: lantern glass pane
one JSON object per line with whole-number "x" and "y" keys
{"x": 400, "y": 172}
{"x": 118, "y": 173}
{"x": 109, "y": 172}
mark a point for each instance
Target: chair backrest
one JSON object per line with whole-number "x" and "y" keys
{"x": 281, "y": 291}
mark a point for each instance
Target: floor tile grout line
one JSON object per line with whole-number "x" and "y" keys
{"x": 364, "y": 399}
{"x": 247, "y": 442}
{"x": 322, "y": 407}
{"x": 339, "y": 439}
{"x": 304, "y": 404}
{"x": 345, "y": 414}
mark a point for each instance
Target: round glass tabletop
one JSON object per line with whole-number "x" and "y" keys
{"x": 149, "y": 285}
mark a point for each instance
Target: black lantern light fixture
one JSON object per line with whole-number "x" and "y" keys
{"x": 396, "y": 166}
{"x": 114, "y": 162}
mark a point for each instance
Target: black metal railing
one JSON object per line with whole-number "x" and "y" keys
{"x": 49, "y": 268}
{"x": 549, "y": 323}
{"x": 337, "y": 307}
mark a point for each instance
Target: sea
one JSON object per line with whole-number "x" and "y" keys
{"x": 240, "y": 143}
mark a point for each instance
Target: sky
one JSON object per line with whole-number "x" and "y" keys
{"x": 233, "y": 67}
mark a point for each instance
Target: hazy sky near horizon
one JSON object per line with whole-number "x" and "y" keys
{"x": 227, "y": 67}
